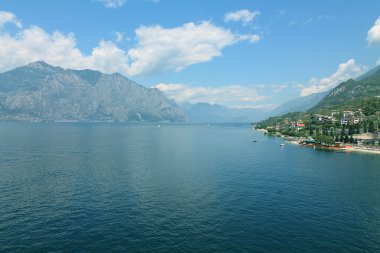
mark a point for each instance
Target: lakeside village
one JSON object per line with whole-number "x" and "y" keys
{"x": 340, "y": 130}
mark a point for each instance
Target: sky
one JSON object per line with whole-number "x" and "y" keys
{"x": 237, "y": 53}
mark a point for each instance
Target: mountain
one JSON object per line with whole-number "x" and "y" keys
{"x": 41, "y": 92}
{"x": 369, "y": 73}
{"x": 352, "y": 93}
{"x": 207, "y": 113}
{"x": 301, "y": 104}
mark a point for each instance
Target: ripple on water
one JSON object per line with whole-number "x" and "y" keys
{"x": 87, "y": 188}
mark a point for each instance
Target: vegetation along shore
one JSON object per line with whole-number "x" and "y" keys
{"x": 348, "y": 118}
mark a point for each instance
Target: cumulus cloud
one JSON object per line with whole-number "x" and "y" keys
{"x": 230, "y": 96}
{"x": 373, "y": 36}
{"x": 251, "y": 38}
{"x": 8, "y": 17}
{"x": 34, "y": 44}
{"x": 245, "y": 16}
{"x": 344, "y": 72}
{"x": 112, "y": 3}
{"x": 157, "y": 49}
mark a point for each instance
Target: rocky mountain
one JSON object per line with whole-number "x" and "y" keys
{"x": 350, "y": 94}
{"x": 207, "y": 113}
{"x": 42, "y": 92}
{"x": 301, "y": 104}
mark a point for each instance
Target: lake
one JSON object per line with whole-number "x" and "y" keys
{"x": 180, "y": 188}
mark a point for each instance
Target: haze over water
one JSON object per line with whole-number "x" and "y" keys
{"x": 182, "y": 188}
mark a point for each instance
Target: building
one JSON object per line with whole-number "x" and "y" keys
{"x": 300, "y": 125}
{"x": 349, "y": 118}
{"x": 335, "y": 113}
{"x": 319, "y": 118}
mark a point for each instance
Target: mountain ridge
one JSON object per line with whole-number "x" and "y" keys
{"x": 350, "y": 93}
{"x": 300, "y": 104}
{"x": 215, "y": 113}
{"x": 42, "y": 92}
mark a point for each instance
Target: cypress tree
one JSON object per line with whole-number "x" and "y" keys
{"x": 357, "y": 129}
{"x": 371, "y": 127}
{"x": 346, "y": 139}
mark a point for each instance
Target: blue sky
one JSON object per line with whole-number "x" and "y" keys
{"x": 232, "y": 52}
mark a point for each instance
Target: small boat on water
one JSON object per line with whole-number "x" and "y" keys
{"x": 255, "y": 141}
{"x": 282, "y": 144}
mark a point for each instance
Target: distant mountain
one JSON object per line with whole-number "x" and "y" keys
{"x": 207, "y": 113}
{"x": 39, "y": 91}
{"x": 301, "y": 104}
{"x": 369, "y": 73}
{"x": 350, "y": 94}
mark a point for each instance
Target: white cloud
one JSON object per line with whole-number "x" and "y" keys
{"x": 112, "y": 3}
{"x": 373, "y": 36}
{"x": 244, "y": 16}
{"x": 34, "y": 44}
{"x": 325, "y": 17}
{"x": 378, "y": 62}
{"x": 344, "y": 72}
{"x": 307, "y": 21}
{"x": 157, "y": 49}
{"x": 8, "y": 17}
{"x": 119, "y": 36}
{"x": 251, "y": 38}
{"x": 279, "y": 87}
{"x": 230, "y": 96}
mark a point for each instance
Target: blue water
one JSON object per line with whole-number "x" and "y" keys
{"x": 180, "y": 188}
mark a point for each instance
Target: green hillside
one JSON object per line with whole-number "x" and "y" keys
{"x": 351, "y": 95}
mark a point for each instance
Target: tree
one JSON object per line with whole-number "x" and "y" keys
{"x": 371, "y": 126}
{"x": 341, "y": 139}
{"x": 357, "y": 130}
{"x": 351, "y": 130}
{"x": 365, "y": 127}
{"x": 324, "y": 140}
{"x": 352, "y": 139}
{"x": 346, "y": 139}
{"x": 337, "y": 138}
{"x": 343, "y": 130}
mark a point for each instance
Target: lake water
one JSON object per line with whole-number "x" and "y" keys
{"x": 180, "y": 188}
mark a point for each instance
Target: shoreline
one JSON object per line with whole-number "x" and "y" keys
{"x": 353, "y": 147}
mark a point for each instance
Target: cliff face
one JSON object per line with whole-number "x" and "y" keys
{"x": 39, "y": 91}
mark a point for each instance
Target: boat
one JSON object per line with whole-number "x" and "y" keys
{"x": 282, "y": 144}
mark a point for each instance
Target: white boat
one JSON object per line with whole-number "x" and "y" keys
{"x": 282, "y": 144}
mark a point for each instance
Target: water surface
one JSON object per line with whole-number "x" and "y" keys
{"x": 180, "y": 188}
